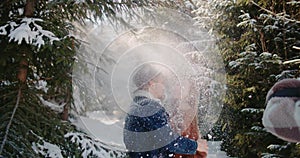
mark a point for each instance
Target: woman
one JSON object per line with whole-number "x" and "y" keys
{"x": 147, "y": 132}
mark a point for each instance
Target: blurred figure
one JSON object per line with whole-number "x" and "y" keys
{"x": 184, "y": 119}
{"x": 282, "y": 114}
{"x": 192, "y": 132}
{"x": 147, "y": 132}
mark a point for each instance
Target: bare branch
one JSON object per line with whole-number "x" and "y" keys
{"x": 295, "y": 47}
{"x": 295, "y": 61}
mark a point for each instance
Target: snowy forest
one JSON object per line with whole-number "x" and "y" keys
{"x": 50, "y": 63}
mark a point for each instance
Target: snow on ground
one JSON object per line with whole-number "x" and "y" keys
{"x": 103, "y": 130}
{"x": 215, "y": 151}
{"x": 111, "y": 133}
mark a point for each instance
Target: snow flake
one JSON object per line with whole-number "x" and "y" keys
{"x": 209, "y": 136}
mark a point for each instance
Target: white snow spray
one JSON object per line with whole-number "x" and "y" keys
{"x": 111, "y": 55}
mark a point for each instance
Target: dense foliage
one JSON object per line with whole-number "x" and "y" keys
{"x": 37, "y": 55}
{"x": 257, "y": 38}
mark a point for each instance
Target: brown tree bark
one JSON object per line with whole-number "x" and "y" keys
{"x": 65, "y": 113}
{"x": 23, "y": 66}
{"x": 262, "y": 41}
{"x": 29, "y": 8}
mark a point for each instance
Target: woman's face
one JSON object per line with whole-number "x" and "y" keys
{"x": 157, "y": 87}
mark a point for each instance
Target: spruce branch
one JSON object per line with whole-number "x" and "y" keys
{"x": 10, "y": 121}
{"x": 276, "y": 15}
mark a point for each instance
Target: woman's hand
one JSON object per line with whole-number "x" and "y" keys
{"x": 202, "y": 149}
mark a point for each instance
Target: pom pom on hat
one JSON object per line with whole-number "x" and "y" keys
{"x": 282, "y": 114}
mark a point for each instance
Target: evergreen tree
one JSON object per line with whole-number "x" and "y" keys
{"x": 37, "y": 55}
{"x": 256, "y": 40}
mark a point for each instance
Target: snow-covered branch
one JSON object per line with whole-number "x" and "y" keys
{"x": 90, "y": 147}
{"x": 52, "y": 105}
{"x": 247, "y": 20}
{"x": 29, "y": 31}
{"x": 295, "y": 61}
{"x": 252, "y": 110}
{"x": 277, "y": 147}
{"x": 47, "y": 149}
{"x": 276, "y": 15}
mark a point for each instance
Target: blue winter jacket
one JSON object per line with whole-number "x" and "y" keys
{"x": 147, "y": 132}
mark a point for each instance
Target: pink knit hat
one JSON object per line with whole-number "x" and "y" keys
{"x": 282, "y": 114}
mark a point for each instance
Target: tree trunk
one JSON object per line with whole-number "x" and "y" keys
{"x": 22, "y": 73}
{"x": 29, "y": 8}
{"x": 262, "y": 41}
{"x": 65, "y": 113}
